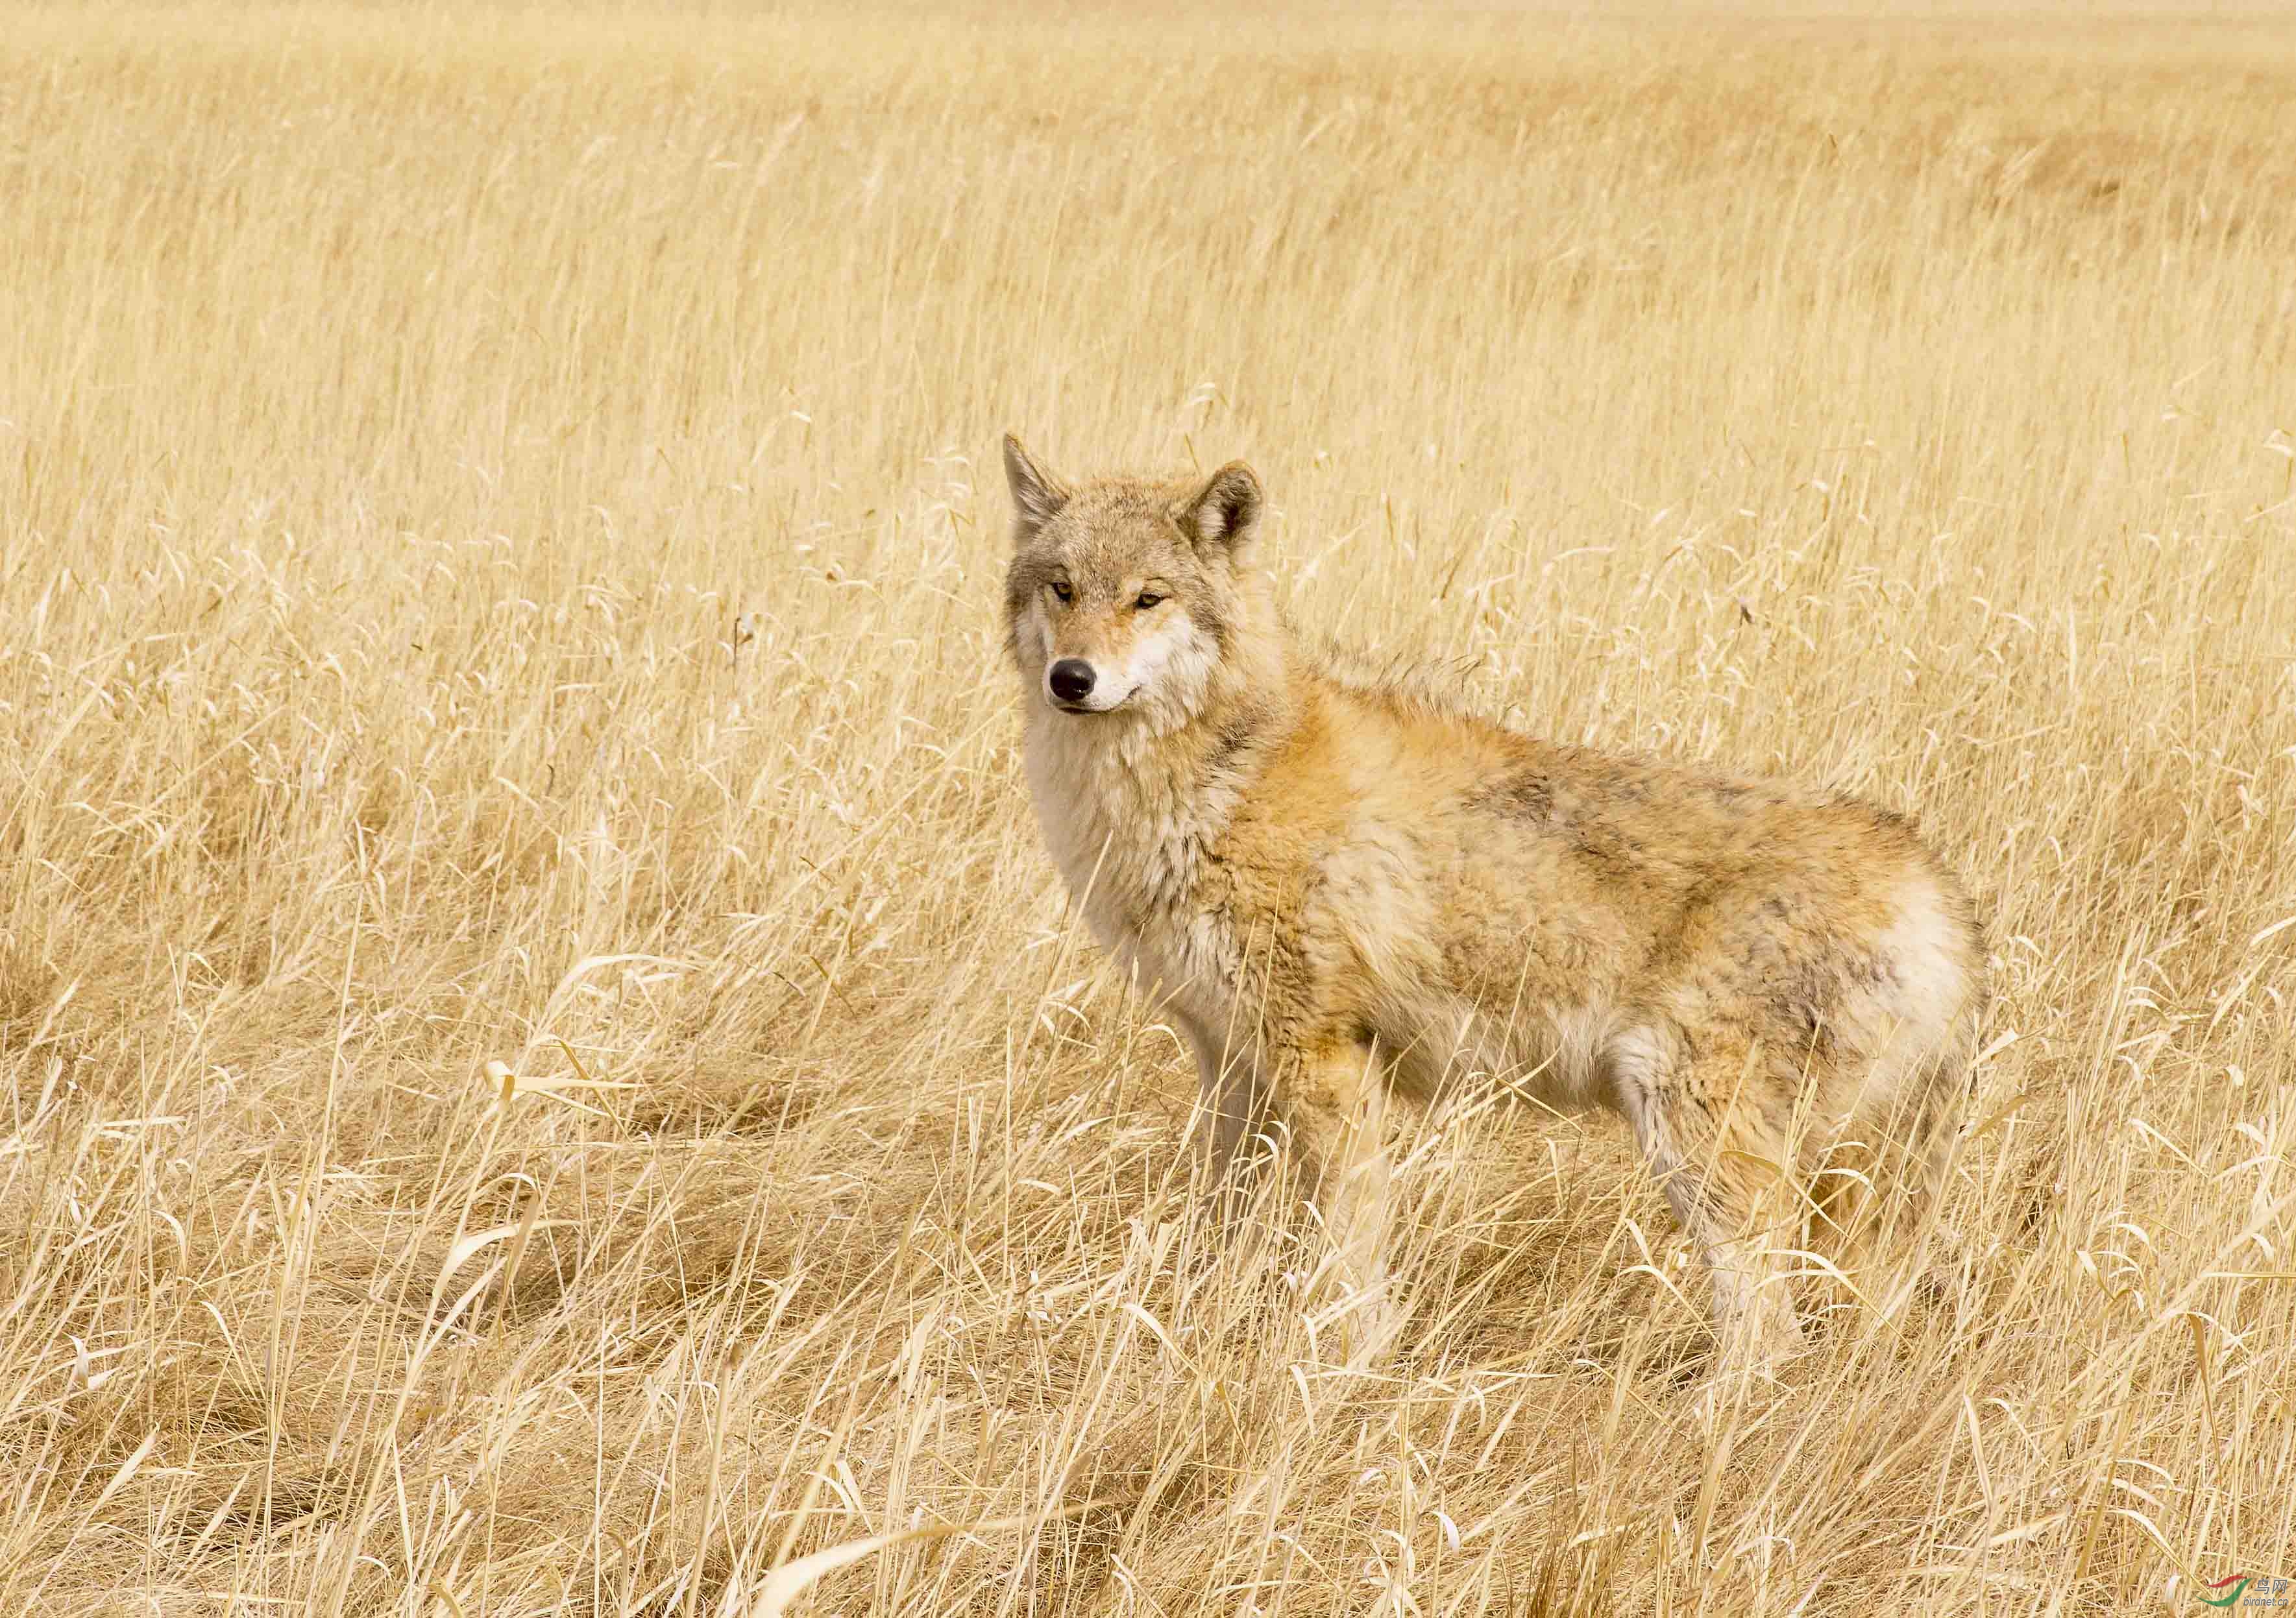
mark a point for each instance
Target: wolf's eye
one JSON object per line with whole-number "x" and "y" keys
{"x": 1147, "y": 598}
{"x": 1065, "y": 594}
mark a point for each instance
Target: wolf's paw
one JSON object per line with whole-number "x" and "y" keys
{"x": 1732, "y": 1388}
{"x": 1360, "y": 1327}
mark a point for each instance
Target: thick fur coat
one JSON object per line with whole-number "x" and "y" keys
{"x": 1343, "y": 889}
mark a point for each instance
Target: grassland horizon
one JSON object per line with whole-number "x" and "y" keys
{"x": 545, "y": 1069}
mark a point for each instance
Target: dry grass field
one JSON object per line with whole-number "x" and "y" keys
{"x": 499, "y": 544}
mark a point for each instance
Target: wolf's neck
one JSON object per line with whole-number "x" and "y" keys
{"x": 1131, "y": 809}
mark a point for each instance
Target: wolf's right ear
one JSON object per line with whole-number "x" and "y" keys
{"x": 1037, "y": 495}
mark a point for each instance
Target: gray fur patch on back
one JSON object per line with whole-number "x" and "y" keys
{"x": 1525, "y": 795}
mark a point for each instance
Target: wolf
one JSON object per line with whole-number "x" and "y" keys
{"x": 1348, "y": 889}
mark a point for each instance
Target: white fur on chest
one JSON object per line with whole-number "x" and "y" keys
{"x": 1130, "y": 834}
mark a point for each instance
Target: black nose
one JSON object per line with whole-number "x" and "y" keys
{"x": 1072, "y": 679}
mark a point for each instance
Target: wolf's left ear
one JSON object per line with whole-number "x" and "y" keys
{"x": 1222, "y": 513}
{"x": 1037, "y": 495}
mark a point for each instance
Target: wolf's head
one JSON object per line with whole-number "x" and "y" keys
{"x": 1124, "y": 594}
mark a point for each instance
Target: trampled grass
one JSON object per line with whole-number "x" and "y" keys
{"x": 499, "y": 544}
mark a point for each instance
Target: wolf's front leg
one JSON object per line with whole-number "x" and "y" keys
{"x": 1335, "y": 1097}
{"x": 1228, "y": 1103}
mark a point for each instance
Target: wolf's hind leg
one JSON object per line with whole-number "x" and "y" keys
{"x": 1886, "y": 1179}
{"x": 1729, "y": 1176}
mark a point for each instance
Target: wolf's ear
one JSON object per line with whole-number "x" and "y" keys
{"x": 1037, "y": 495}
{"x": 1222, "y": 514}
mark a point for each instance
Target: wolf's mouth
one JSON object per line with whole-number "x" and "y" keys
{"x": 1085, "y": 710}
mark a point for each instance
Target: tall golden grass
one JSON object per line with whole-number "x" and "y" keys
{"x": 499, "y": 549}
